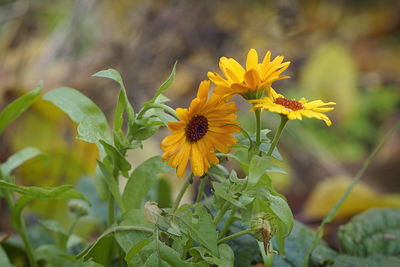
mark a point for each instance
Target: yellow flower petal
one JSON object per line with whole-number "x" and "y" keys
{"x": 252, "y": 60}
{"x": 252, "y": 78}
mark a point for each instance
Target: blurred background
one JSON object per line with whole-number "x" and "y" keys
{"x": 342, "y": 51}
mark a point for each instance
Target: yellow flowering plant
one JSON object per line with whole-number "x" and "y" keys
{"x": 243, "y": 219}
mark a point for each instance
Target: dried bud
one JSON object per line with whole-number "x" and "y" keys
{"x": 264, "y": 227}
{"x": 152, "y": 212}
{"x": 78, "y": 208}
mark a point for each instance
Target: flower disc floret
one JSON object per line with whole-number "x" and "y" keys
{"x": 294, "y": 109}
{"x": 202, "y": 129}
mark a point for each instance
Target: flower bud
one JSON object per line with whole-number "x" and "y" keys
{"x": 151, "y": 212}
{"x": 78, "y": 208}
{"x": 264, "y": 227}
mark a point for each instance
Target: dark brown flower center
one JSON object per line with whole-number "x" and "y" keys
{"x": 196, "y": 128}
{"x": 289, "y": 104}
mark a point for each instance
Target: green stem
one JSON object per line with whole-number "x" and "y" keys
{"x": 332, "y": 213}
{"x": 221, "y": 213}
{"x": 268, "y": 259}
{"x": 157, "y": 245}
{"x": 258, "y": 130}
{"x": 178, "y": 199}
{"x": 28, "y": 247}
{"x": 229, "y": 237}
{"x": 278, "y": 133}
{"x": 72, "y": 227}
{"x": 89, "y": 248}
{"x": 156, "y": 105}
{"x": 201, "y": 188}
{"x": 228, "y": 222}
{"x": 111, "y": 208}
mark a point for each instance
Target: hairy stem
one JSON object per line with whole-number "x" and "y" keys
{"x": 228, "y": 222}
{"x": 28, "y": 247}
{"x": 258, "y": 125}
{"x": 229, "y": 237}
{"x": 156, "y": 105}
{"x": 221, "y": 213}
{"x": 278, "y": 133}
{"x": 203, "y": 181}
{"x": 178, "y": 199}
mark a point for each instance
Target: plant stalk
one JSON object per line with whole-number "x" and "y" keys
{"x": 278, "y": 133}
{"x": 258, "y": 129}
{"x": 229, "y": 237}
{"x": 156, "y": 105}
{"x": 228, "y": 222}
{"x": 332, "y": 213}
{"x": 221, "y": 213}
{"x": 203, "y": 181}
{"x": 178, "y": 199}
{"x": 28, "y": 247}
{"x": 111, "y": 208}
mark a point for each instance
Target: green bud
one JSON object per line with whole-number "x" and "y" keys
{"x": 78, "y": 208}
{"x": 152, "y": 212}
{"x": 264, "y": 227}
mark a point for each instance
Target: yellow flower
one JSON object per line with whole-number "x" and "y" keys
{"x": 202, "y": 128}
{"x": 294, "y": 109}
{"x": 250, "y": 83}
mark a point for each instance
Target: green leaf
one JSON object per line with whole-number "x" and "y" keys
{"x": 112, "y": 185}
{"x": 115, "y": 76}
{"x": 127, "y": 240}
{"x": 226, "y": 258}
{"x": 142, "y": 180}
{"x": 147, "y": 256}
{"x": 17, "y": 107}
{"x": 118, "y": 159}
{"x": 260, "y": 166}
{"x": 324, "y": 256}
{"x": 119, "y": 112}
{"x": 257, "y": 168}
{"x": 218, "y": 171}
{"x": 92, "y": 124}
{"x": 53, "y": 256}
{"x": 137, "y": 247}
{"x": 376, "y": 231}
{"x": 141, "y": 133}
{"x": 19, "y": 158}
{"x": 199, "y": 226}
{"x": 4, "y": 261}
{"x": 222, "y": 191}
{"x": 55, "y": 227}
{"x": 63, "y": 192}
{"x": 161, "y": 193}
{"x": 164, "y": 86}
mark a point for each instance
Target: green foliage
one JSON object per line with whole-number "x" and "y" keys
{"x": 4, "y": 261}
{"x": 233, "y": 228}
{"x": 142, "y": 180}
{"x": 123, "y": 101}
{"x": 376, "y": 231}
{"x": 162, "y": 88}
{"x": 50, "y": 255}
{"x": 199, "y": 226}
{"x": 62, "y": 192}
{"x": 19, "y": 158}
{"x": 92, "y": 124}
{"x": 17, "y": 107}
